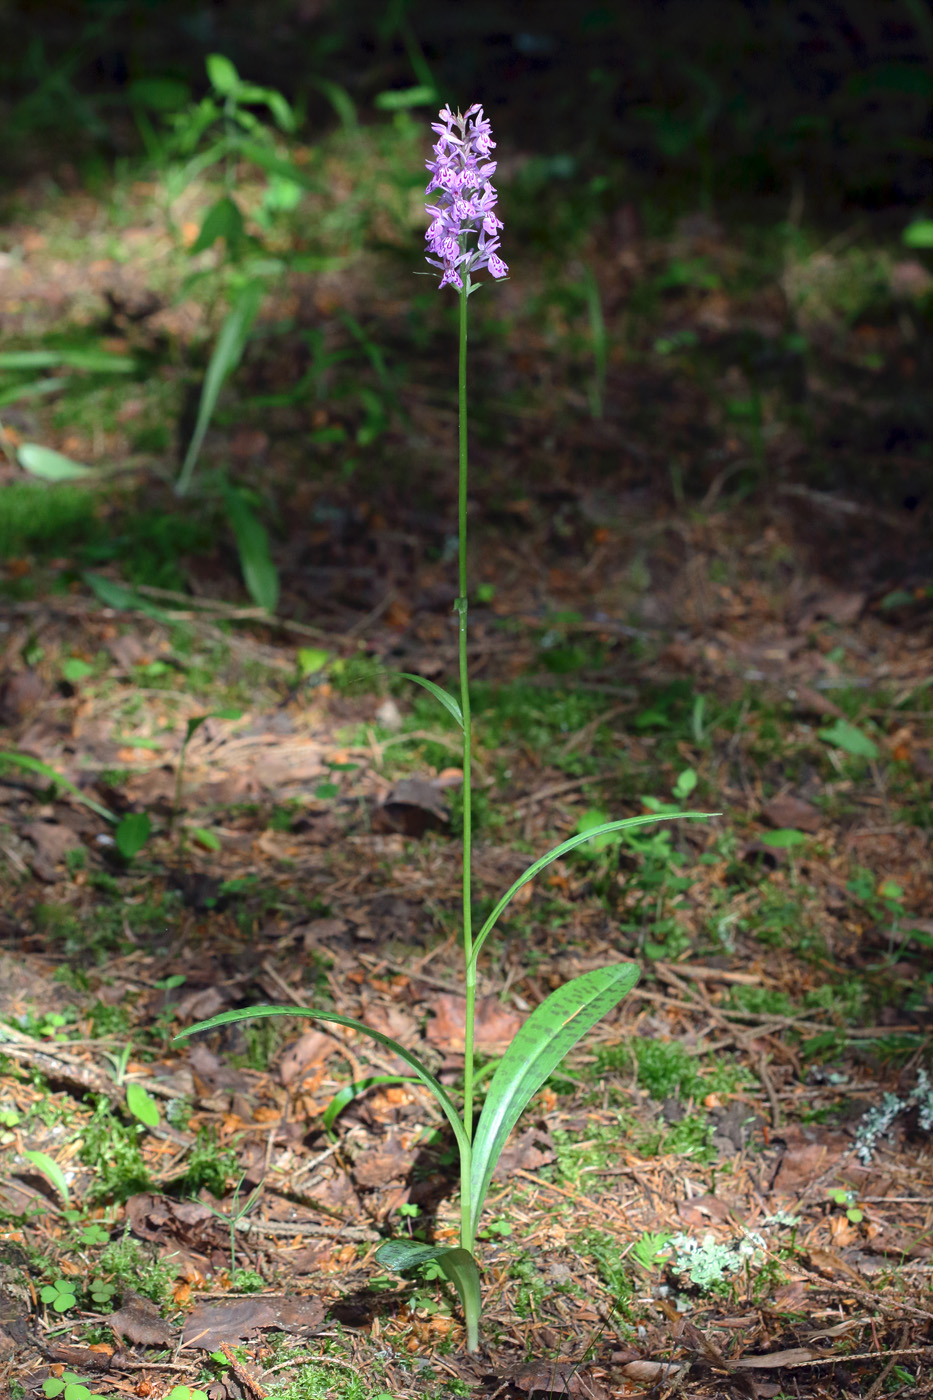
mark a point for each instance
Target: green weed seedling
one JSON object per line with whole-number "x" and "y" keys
{"x": 553, "y": 1028}
{"x": 849, "y": 1202}
{"x": 69, "y": 1386}
{"x": 60, "y": 1295}
{"x": 650, "y": 1250}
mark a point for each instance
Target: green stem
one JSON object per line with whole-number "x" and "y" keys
{"x": 466, "y": 1238}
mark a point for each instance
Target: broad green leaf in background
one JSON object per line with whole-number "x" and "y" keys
{"x": 686, "y": 781}
{"x": 222, "y": 220}
{"x": 206, "y": 838}
{"x": 424, "y": 1074}
{"x": 843, "y": 735}
{"x": 131, "y": 834}
{"x": 312, "y": 659}
{"x": 784, "y": 838}
{"x": 451, "y": 705}
{"x": 194, "y": 724}
{"x": 340, "y": 100}
{"x": 537, "y": 1049}
{"x": 402, "y": 99}
{"x": 919, "y": 234}
{"x": 227, "y": 353}
{"x": 75, "y": 669}
{"x": 259, "y": 572}
{"x": 52, "y": 1173}
{"x": 591, "y": 819}
{"x": 48, "y": 464}
{"x": 159, "y": 94}
{"x": 221, "y": 74}
{"x": 35, "y": 765}
{"x": 142, "y": 1105}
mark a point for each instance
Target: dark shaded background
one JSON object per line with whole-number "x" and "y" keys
{"x": 821, "y": 101}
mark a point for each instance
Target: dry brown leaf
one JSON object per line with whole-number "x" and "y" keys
{"x": 786, "y": 810}
{"x": 795, "y": 1356}
{"x": 309, "y": 1050}
{"x": 653, "y": 1371}
{"x": 559, "y": 1378}
{"x": 495, "y": 1024}
{"x": 209, "y": 1325}
{"x": 140, "y": 1323}
{"x": 528, "y": 1152}
{"x": 413, "y": 807}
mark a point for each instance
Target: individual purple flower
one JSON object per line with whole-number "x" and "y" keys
{"x": 464, "y": 199}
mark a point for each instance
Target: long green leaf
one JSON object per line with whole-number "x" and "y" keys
{"x": 117, "y": 595}
{"x": 231, "y": 342}
{"x": 579, "y": 840}
{"x": 444, "y": 696}
{"x": 551, "y": 1030}
{"x": 424, "y": 1074}
{"x": 95, "y": 361}
{"x": 252, "y": 541}
{"x": 49, "y": 464}
{"x": 35, "y": 765}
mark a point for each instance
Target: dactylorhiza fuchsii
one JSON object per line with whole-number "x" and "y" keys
{"x": 464, "y": 198}
{"x": 464, "y": 209}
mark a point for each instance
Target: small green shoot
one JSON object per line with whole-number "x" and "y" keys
{"x": 60, "y": 1295}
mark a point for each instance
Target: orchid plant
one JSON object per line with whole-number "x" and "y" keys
{"x": 462, "y": 207}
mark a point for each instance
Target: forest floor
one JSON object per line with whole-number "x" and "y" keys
{"x": 702, "y": 576}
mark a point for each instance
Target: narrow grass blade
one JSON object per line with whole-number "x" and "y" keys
{"x": 444, "y": 696}
{"x": 35, "y": 765}
{"x": 551, "y": 1030}
{"x": 226, "y": 1018}
{"x": 231, "y": 342}
{"x": 579, "y": 840}
{"x": 52, "y": 1173}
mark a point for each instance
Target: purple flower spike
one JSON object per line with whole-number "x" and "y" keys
{"x": 464, "y": 199}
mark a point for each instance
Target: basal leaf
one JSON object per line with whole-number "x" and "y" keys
{"x": 551, "y": 1030}
{"x": 458, "y": 1265}
{"x": 253, "y": 1013}
{"x": 843, "y": 735}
